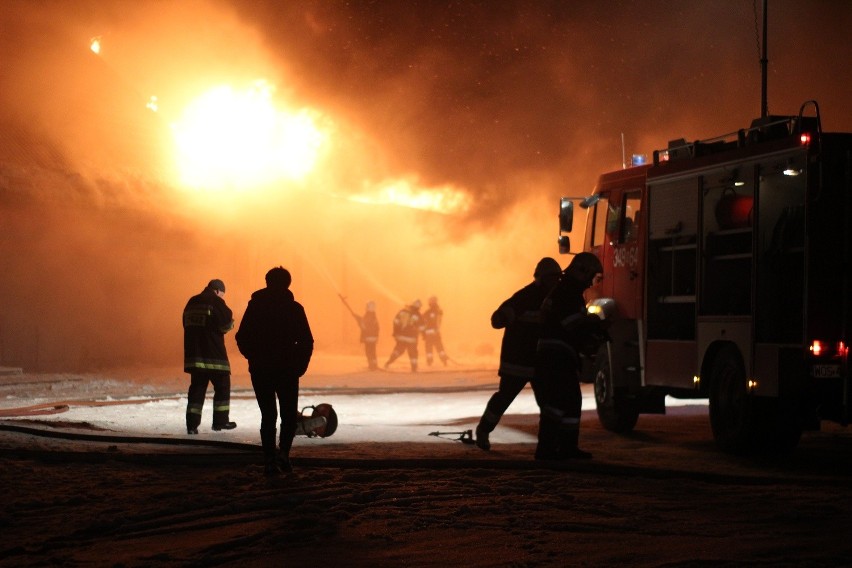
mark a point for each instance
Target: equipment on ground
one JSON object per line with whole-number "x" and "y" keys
{"x": 465, "y": 437}
{"x": 321, "y": 423}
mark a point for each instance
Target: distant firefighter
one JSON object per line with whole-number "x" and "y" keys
{"x": 432, "y": 318}
{"x": 407, "y": 326}
{"x": 369, "y": 326}
{"x": 206, "y": 320}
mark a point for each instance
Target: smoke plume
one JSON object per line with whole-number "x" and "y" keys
{"x": 510, "y": 104}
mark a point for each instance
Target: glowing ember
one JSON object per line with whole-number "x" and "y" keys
{"x": 238, "y": 140}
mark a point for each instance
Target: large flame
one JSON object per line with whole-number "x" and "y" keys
{"x": 238, "y": 140}
{"x": 406, "y": 192}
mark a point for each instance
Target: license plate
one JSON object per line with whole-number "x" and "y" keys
{"x": 825, "y": 371}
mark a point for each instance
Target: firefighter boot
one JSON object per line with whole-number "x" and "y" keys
{"x": 568, "y": 446}
{"x": 486, "y": 425}
{"x": 548, "y": 440}
{"x": 482, "y": 441}
{"x": 193, "y": 418}
{"x": 221, "y": 410}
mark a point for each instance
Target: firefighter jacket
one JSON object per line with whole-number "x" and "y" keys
{"x": 206, "y": 320}
{"x": 432, "y": 321}
{"x": 369, "y": 324}
{"x": 407, "y": 325}
{"x": 520, "y": 316}
{"x": 566, "y": 325}
{"x": 274, "y": 334}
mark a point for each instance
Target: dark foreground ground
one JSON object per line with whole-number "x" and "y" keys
{"x": 662, "y": 496}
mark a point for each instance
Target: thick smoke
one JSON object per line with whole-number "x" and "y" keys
{"x": 493, "y": 95}
{"x": 513, "y": 103}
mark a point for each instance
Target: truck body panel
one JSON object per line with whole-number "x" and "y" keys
{"x": 728, "y": 261}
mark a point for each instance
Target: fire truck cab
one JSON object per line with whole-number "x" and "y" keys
{"x": 727, "y": 262}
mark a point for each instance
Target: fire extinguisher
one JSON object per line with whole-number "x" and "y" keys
{"x": 734, "y": 211}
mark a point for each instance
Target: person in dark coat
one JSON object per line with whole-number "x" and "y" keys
{"x": 206, "y": 320}
{"x": 520, "y": 317}
{"x": 275, "y": 337}
{"x": 567, "y": 328}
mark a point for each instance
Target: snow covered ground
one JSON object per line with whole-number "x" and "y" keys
{"x": 365, "y": 417}
{"x": 367, "y": 407}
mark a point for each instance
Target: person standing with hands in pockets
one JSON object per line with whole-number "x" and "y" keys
{"x": 276, "y": 338}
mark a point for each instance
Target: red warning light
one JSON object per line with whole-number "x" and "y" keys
{"x": 805, "y": 138}
{"x": 825, "y": 349}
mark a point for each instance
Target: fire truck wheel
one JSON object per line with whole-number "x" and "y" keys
{"x": 731, "y": 415}
{"x": 616, "y": 415}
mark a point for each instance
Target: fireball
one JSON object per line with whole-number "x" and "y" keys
{"x": 240, "y": 140}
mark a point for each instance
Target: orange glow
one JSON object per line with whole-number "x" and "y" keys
{"x": 816, "y": 347}
{"x": 446, "y": 199}
{"x": 95, "y": 45}
{"x": 235, "y": 140}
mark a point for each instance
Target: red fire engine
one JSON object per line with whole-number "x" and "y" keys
{"x": 727, "y": 270}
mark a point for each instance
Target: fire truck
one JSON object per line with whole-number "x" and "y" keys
{"x": 726, "y": 277}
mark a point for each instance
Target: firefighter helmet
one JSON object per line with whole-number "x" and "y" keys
{"x": 545, "y": 267}
{"x": 216, "y": 284}
{"x": 584, "y": 267}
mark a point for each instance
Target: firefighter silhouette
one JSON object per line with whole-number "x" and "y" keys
{"x": 369, "y": 326}
{"x": 432, "y": 332}
{"x": 407, "y": 326}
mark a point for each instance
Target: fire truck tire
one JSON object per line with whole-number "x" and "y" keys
{"x": 743, "y": 424}
{"x": 732, "y": 416}
{"x": 616, "y": 415}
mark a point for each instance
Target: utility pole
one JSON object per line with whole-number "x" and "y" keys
{"x": 764, "y": 107}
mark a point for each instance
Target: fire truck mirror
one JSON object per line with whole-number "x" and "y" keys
{"x": 564, "y": 244}
{"x": 566, "y": 215}
{"x": 590, "y": 201}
